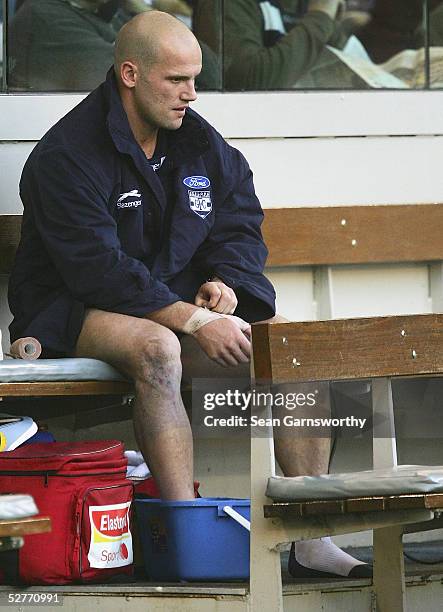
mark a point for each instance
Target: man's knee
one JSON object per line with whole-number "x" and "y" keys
{"x": 157, "y": 359}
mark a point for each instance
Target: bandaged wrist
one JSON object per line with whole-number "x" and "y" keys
{"x": 201, "y": 317}
{"x": 241, "y": 324}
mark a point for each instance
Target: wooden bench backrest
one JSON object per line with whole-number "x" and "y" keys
{"x": 354, "y": 234}
{"x": 323, "y": 236}
{"x": 342, "y": 349}
{"x": 9, "y": 238}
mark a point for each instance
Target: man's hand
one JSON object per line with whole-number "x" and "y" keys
{"x": 224, "y": 342}
{"x": 333, "y": 8}
{"x": 216, "y": 296}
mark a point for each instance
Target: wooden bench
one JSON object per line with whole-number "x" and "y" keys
{"x": 24, "y": 526}
{"x": 320, "y": 238}
{"x": 10, "y": 226}
{"x": 17, "y": 519}
{"x": 315, "y": 237}
{"x": 376, "y": 349}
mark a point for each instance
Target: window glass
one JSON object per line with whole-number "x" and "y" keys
{"x": 436, "y": 45}
{"x": 68, "y": 45}
{"x": 322, "y": 44}
{"x": 1, "y": 46}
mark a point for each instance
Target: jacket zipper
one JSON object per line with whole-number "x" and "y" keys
{"x": 47, "y": 473}
{"x": 101, "y": 450}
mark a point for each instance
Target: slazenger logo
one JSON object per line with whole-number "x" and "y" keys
{"x": 197, "y": 182}
{"x": 110, "y": 522}
{"x": 135, "y": 193}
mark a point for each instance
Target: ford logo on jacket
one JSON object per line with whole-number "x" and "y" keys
{"x": 197, "y": 182}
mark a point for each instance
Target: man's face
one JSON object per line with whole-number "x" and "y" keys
{"x": 164, "y": 91}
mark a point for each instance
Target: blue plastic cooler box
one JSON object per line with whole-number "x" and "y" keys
{"x": 202, "y": 539}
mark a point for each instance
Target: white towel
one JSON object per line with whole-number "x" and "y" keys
{"x": 137, "y": 468}
{"x": 134, "y": 457}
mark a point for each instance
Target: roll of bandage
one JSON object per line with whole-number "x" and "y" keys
{"x": 26, "y": 348}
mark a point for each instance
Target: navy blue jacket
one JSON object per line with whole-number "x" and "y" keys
{"x": 102, "y": 229}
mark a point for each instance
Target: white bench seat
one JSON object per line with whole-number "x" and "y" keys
{"x": 389, "y": 481}
{"x": 55, "y": 370}
{"x": 60, "y": 377}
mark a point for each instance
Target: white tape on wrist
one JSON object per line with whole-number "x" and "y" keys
{"x": 239, "y": 322}
{"x": 203, "y": 316}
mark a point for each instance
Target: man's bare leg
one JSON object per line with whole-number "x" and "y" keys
{"x": 148, "y": 354}
{"x": 296, "y": 456}
{"x": 301, "y": 456}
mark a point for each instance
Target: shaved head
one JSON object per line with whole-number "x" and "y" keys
{"x": 157, "y": 59}
{"x": 142, "y": 39}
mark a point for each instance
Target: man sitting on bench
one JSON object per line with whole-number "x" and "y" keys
{"x": 140, "y": 227}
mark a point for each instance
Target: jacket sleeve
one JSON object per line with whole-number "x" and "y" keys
{"x": 235, "y": 250}
{"x": 80, "y": 236}
{"x": 249, "y": 64}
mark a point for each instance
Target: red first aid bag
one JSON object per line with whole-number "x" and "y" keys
{"x": 82, "y": 487}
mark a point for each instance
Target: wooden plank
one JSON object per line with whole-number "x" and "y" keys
{"x": 145, "y": 588}
{"x": 361, "y": 504}
{"x": 353, "y": 234}
{"x": 431, "y": 501}
{"x": 340, "y": 349}
{"x": 40, "y": 389}
{"x": 354, "y": 504}
{"x": 434, "y": 500}
{"x": 261, "y": 350}
{"x": 410, "y": 501}
{"x": 25, "y": 526}
{"x": 10, "y": 226}
{"x": 328, "y": 506}
{"x": 323, "y": 235}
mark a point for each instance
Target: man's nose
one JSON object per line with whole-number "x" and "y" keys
{"x": 189, "y": 94}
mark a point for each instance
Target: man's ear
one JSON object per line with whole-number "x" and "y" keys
{"x": 128, "y": 74}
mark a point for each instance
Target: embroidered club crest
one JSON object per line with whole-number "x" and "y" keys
{"x": 200, "y": 202}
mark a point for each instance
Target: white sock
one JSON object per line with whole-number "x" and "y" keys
{"x": 325, "y": 556}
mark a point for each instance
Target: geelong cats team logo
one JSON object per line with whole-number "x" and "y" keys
{"x": 199, "y": 195}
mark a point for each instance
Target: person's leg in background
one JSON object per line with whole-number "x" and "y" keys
{"x": 297, "y": 454}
